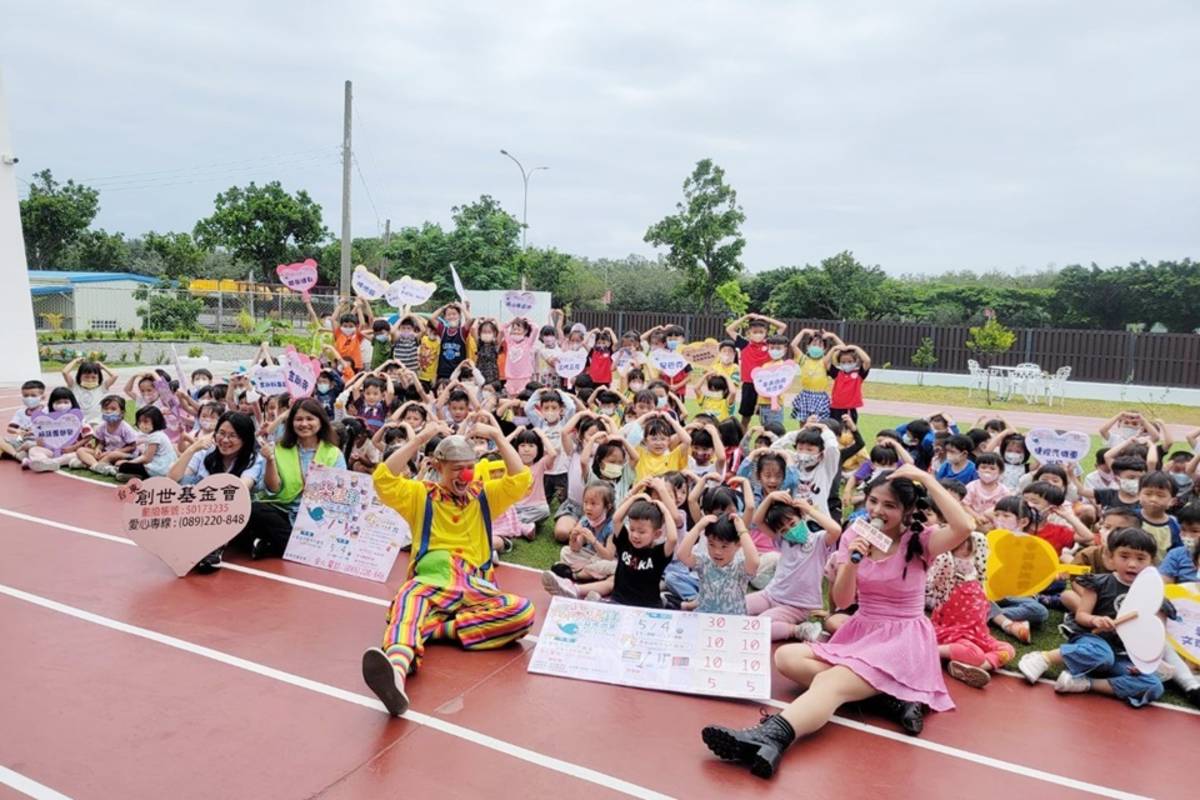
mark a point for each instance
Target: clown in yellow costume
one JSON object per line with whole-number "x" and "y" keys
{"x": 451, "y": 591}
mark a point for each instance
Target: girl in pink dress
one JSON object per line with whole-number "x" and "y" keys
{"x": 518, "y": 355}
{"x": 888, "y": 647}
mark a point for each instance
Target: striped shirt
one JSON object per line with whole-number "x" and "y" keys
{"x": 405, "y": 351}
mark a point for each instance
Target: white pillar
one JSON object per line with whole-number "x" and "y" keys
{"x": 20, "y": 362}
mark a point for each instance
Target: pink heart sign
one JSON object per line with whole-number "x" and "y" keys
{"x": 300, "y": 277}
{"x": 772, "y": 381}
{"x": 518, "y": 303}
{"x": 57, "y": 429}
{"x": 1057, "y": 447}
{"x": 182, "y": 524}
{"x": 570, "y": 363}
{"x": 668, "y": 362}
{"x": 300, "y": 373}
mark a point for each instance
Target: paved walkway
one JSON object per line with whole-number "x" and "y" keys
{"x": 966, "y": 416}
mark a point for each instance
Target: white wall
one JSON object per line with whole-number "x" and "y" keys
{"x": 20, "y": 362}
{"x": 111, "y": 300}
{"x": 490, "y": 303}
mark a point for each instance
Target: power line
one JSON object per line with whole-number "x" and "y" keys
{"x": 370, "y": 199}
{"x": 184, "y": 180}
{"x": 255, "y": 159}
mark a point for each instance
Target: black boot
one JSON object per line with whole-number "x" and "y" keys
{"x": 210, "y": 563}
{"x": 909, "y": 716}
{"x": 759, "y": 747}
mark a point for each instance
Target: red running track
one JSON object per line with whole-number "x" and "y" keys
{"x": 170, "y": 717}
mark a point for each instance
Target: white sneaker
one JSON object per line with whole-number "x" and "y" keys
{"x": 1165, "y": 671}
{"x": 41, "y": 465}
{"x": 1033, "y": 666}
{"x": 103, "y": 468}
{"x": 594, "y": 597}
{"x": 1067, "y": 683}
{"x": 558, "y": 587}
{"x": 971, "y": 675}
{"x": 807, "y": 632}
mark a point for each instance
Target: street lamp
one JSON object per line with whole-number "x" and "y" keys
{"x": 525, "y": 176}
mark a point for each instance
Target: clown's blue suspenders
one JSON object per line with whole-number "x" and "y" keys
{"x": 427, "y": 530}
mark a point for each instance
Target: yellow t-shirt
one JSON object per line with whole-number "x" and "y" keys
{"x": 456, "y": 529}
{"x": 427, "y": 354}
{"x": 650, "y": 465}
{"x": 813, "y": 377}
{"x": 717, "y": 406}
{"x": 730, "y": 371}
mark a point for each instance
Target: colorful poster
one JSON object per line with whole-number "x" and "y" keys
{"x": 719, "y": 655}
{"x": 342, "y": 526}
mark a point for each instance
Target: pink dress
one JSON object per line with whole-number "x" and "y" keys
{"x": 889, "y": 642}
{"x": 518, "y": 363}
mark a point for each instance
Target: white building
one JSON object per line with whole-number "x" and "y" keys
{"x": 98, "y": 301}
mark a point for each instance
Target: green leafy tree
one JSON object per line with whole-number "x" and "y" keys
{"x": 759, "y": 285}
{"x": 570, "y": 280}
{"x": 736, "y": 300}
{"x": 97, "y": 251}
{"x": 263, "y": 225}
{"x": 990, "y": 339}
{"x": 639, "y": 284}
{"x": 840, "y": 288}
{"x": 367, "y": 251}
{"x": 923, "y": 358}
{"x": 178, "y": 254}
{"x": 53, "y": 217}
{"x": 168, "y": 308}
{"x": 704, "y": 236}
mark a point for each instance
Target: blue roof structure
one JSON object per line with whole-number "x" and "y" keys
{"x": 74, "y": 277}
{"x": 58, "y": 288}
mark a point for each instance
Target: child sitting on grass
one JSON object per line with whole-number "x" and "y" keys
{"x": 1094, "y": 658}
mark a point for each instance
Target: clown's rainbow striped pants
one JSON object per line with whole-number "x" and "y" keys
{"x": 471, "y": 610}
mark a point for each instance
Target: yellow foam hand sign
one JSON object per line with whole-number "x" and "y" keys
{"x": 701, "y": 355}
{"x": 1184, "y": 633}
{"x": 1020, "y": 565}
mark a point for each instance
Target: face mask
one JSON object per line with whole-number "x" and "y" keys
{"x": 1126, "y": 432}
{"x": 200, "y": 384}
{"x": 988, "y": 478}
{"x": 1182, "y": 481}
{"x": 323, "y": 387}
{"x": 486, "y": 338}
{"x": 1129, "y": 485}
{"x": 661, "y": 402}
{"x": 612, "y": 471}
{"x": 62, "y": 405}
{"x": 807, "y": 459}
{"x": 1190, "y": 543}
{"x": 31, "y": 402}
{"x": 816, "y": 351}
{"x": 636, "y": 386}
{"x": 851, "y": 367}
{"x": 382, "y": 337}
{"x": 715, "y": 393}
{"x": 965, "y": 567}
{"x": 90, "y": 383}
{"x": 607, "y": 411}
{"x": 208, "y": 424}
{"x": 775, "y": 354}
{"x": 672, "y": 344}
{"x": 908, "y": 440}
{"x": 797, "y": 534}
{"x": 111, "y": 417}
{"x": 549, "y": 341}
{"x": 516, "y": 338}
{"x": 1014, "y": 458}
{"x": 726, "y": 358}
{"x": 348, "y": 330}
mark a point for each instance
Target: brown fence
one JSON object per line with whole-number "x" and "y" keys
{"x": 1154, "y": 359}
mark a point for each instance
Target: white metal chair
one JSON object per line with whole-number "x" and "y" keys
{"x": 1056, "y": 385}
{"x": 978, "y": 377}
{"x": 1027, "y": 380}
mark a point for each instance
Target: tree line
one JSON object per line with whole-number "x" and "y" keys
{"x": 699, "y": 268}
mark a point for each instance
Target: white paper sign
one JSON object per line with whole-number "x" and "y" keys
{"x": 269, "y": 380}
{"x": 668, "y": 362}
{"x": 409, "y": 292}
{"x": 772, "y": 381}
{"x": 860, "y": 528}
{"x": 519, "y": 303}
{"x": 719, "y": 655}
{"x": 1058, "y": 447}
{"x": 458, "y": 285}
{"x": 342, "y": 526}
{"x": 570, "y": 363}
{"x": 367, "y": 284}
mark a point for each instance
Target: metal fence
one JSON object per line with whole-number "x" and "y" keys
{"x": 1154, "y": 359}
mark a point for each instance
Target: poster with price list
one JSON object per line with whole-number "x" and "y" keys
{"x": 719, "y": 655}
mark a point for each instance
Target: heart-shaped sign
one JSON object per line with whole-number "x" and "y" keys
{"x": 1184, "y": 633}
{"x": 668, "y": 362}
{"x": 183, "y": 524}
{"x": 409, "y": 292}
{"x": 1020, "y": 565}
{"x": 270, "y": 380}
{"x": 1138, "y": 624}
{"x": 1058, "y": 447}
{"x": 518, "y": 303}
{"x": 774, "y": 379}
{"x": 570, "y": 363}
{"x": 300, "y": 375}
{"x": 702, "y": 355}
{"x": 300, "y": 277}
{"x": 57, "y": 429}
{"x": 367, "y": 284}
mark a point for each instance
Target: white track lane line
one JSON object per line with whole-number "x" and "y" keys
{"x": 862, "y": 727}
{"x": 385, "y": 603}
{"x": 466, "y": 734}
{"x": 28, "y": 786}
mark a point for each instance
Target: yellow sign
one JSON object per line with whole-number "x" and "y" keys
{"x": 1020, "y": 565}
{"x": 1184, "y": 633}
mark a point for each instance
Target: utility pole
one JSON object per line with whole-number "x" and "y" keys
{"x": 525, "y": 176}
{"x": 346, "y": 155}
{"x": 387, "y": 237}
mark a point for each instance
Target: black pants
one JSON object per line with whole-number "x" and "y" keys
{"x": 555, "y": 486}
{"x": 134, "y": 469}
{"x": 837, "y": 413}
{"x": 270, "y": 522}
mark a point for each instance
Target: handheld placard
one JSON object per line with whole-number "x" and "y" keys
{"x": 873, "y": 533}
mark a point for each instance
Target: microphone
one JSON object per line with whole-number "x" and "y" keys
{"x": 877, "y": 524}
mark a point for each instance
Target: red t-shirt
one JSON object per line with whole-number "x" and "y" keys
{"x": 1059, "y": 536}
{"x": 753, "y": 356}
{"x": 600, "y": 367}
{"x": 847, "y": 388}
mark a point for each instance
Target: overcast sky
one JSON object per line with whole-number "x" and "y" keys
{"x": 923, "y": 136}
